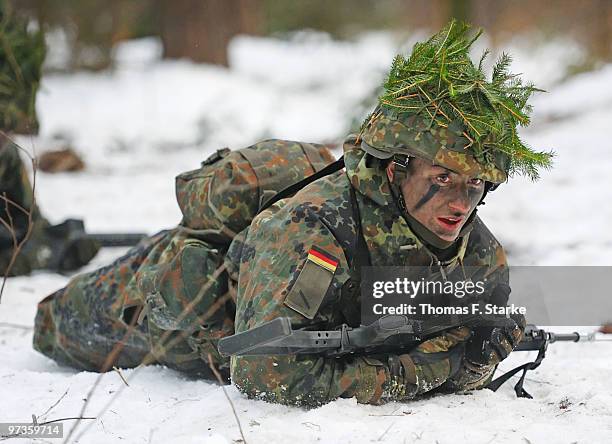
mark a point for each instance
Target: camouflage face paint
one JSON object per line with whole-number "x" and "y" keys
{"x": 440, "y": 199}
{"x": 430, "y": 193}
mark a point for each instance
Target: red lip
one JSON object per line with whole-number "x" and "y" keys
{"x": 450, "y": 223}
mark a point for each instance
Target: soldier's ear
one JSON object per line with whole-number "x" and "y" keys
{"x": 390, "y": 171}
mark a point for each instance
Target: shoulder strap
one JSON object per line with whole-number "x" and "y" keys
{"x": 362, "y": 254}
{"x": 349, "y": 294}
{"x": 292, "y": 189}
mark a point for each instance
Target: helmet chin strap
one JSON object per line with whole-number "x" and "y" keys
{"x": 400, "y": 173}
{"x": 489, "y": 186}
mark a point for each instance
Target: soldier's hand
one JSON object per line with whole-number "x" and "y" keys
{"x": 428, "y": 366}
{"x": 491, "y": 345}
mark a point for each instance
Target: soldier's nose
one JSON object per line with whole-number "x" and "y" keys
{"x": 459, "y": 203}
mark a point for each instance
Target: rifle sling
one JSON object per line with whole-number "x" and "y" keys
{"x": 518, "y": 388}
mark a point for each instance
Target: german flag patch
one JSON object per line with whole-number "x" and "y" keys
{"x": 312, "y": 284}
{"x": 322, "y": 259}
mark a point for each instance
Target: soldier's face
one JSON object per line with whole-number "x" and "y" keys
{"x": 438, "y": 198}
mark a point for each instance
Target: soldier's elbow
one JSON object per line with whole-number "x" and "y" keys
{"x": 253, "y": 381}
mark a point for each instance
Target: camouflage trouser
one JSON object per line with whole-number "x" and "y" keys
{"x": 48, "y": 247}
{"x": 149, "y": 288}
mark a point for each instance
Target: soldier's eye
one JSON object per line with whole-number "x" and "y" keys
{"x": 476, "y": 182}
{"x": 443, "y": 178}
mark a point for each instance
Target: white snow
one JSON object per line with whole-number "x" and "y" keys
{"x": 140, "y": 125}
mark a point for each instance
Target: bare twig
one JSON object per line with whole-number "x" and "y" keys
{"x": 55, "y": 404}
{"x": 120, "y": 375}
{"x": 18, "y": 245}
{"x": 19, "y": 326}
{"x": 385, "y": 432}
{"x": 73, "y": 418}
{"x": 402, "y": 414}
{"x": 218, "y": 376}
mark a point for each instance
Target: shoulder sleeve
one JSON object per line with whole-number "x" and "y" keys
{"x": 273, "y": 256}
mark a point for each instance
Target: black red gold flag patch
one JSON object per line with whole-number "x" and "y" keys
{"x": 323, "y": 259}
{"x": 312, "y": 284}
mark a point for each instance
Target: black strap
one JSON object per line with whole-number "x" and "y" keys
{"x": 518, "y": 388}
{"x": 351, "y": 288}
{"x": 362, "y": 254}
{"x": 294, "y": 188}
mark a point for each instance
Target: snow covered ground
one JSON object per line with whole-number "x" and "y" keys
{"x": 140, "y": 125}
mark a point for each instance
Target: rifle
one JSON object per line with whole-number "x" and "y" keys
{"x": 389, "y": 334}
{"x": 116, "y": 239}
{"x": 73, "y": 229}
{"x": 67, "y": 245}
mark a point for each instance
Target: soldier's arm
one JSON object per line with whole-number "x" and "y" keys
{"x": 273, "y": 258}
{"x": 475, "y": 375}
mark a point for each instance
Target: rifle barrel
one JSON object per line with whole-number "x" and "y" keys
{"x": 565, "y": 337}
{"x": 579, "y": 337}
{"x": 117, "y": 239}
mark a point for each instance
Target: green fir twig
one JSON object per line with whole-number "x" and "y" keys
{"x": 440, "y": 81}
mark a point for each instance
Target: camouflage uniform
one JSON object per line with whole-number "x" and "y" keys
{"x": 166, "y": 275}
{"x": 80, "y": 324}
{"x": 273, "y": 253}
{"x": 173, "y": 286}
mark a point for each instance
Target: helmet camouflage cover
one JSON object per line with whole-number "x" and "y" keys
{"x": 438, "y": 106}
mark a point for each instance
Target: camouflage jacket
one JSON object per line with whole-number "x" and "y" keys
{"x": 268, "y": 258}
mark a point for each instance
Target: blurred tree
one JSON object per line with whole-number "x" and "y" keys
{"x": 600, "y": 35}
{"x": 92, "y": 27}
{"x": 201, "y": 29}
{"x": 460, "y": 10}
{"x": 340, "y": 18}
{"x": 22, "y": 52}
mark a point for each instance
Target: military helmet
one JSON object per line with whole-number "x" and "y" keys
{"x": 387, "y": 136}
{"x": 439, "y": 106}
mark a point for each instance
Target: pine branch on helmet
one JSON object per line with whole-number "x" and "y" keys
{"x": 439, "y": 106}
